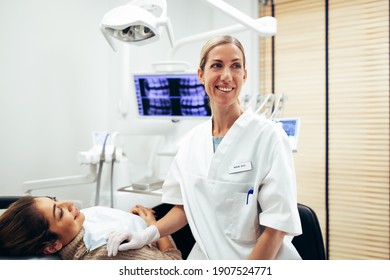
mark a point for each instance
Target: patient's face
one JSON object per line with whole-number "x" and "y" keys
{"x": 64, "y": 218}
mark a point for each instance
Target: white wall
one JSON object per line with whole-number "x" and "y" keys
{"x": 54, "y": 87}
{"x": 59, "y": 81}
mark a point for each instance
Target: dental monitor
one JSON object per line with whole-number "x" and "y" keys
{"x": 171, "y": 95}
{"x": 291, "y": 127}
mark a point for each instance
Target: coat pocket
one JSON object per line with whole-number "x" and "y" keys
{"x": 238, "y": 213}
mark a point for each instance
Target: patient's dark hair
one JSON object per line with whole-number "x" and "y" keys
{"x": 24, "y": 231}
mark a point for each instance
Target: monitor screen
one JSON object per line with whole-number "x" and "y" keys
{"x": 291, "y": 127}
{"x": 170, "y": 95}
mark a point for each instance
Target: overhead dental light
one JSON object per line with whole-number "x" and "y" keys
{"x": 265, "y": 27}
{"x": 139, "y": 22}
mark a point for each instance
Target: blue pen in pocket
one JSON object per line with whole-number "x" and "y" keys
{"x": 251, "y": 190}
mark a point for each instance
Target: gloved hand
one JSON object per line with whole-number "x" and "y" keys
{"x": 135, "y": 240}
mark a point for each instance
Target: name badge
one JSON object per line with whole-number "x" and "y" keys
{"x": 240, "y": 167}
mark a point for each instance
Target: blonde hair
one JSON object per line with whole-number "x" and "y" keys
{"x": 215, "y": 42}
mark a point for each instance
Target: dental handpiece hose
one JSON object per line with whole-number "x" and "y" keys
{"x": 102, "y": 159}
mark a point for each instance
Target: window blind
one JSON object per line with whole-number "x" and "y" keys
{"x": 358, "y": 114}
{"x": 359, "y": 129}
{"x": 299, "y": 67}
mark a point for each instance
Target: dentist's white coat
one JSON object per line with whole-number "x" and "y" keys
{"x": 226, "y": 219}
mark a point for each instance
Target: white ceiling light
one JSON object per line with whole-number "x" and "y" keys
{"x": 139, "y": 22}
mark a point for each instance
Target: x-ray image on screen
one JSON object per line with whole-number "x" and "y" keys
{"x": 176, "y": 95}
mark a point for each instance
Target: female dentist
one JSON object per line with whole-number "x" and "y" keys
{"x": 233, "y": 178}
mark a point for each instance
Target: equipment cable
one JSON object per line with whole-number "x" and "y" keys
{"x": 99, "y": 176}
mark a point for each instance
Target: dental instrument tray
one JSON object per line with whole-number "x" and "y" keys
{"x": 147, "y": 184}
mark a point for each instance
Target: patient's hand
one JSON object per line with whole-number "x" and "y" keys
{"x": 145, "y": 213}
{"x": 163, "y": 243}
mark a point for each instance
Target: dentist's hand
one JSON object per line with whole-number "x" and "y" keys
{"x": 135, "y": 240}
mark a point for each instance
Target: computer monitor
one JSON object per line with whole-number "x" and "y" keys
{"x": 172, "y": 95}
{"x": 291, "y": 127}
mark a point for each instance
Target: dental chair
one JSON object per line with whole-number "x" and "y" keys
{"x": 183, "y": 238}
{"x": 5, "y": 201}
{"x": 310, "y": 244}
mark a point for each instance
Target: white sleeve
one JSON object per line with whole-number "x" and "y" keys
{"x": 277, "y": 196}
{"x": 171, "y": 188}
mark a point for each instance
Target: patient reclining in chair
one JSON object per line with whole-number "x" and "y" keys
{"x": 36, "y": 226}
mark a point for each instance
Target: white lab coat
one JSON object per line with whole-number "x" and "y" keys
{"x": 231, "y": 195}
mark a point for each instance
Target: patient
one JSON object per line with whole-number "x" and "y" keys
{"x": 35, "y": 226}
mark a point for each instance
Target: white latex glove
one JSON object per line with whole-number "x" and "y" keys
{"x": 135, "y": 240}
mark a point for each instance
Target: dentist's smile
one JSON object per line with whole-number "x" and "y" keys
{"x": 224, "y": 89}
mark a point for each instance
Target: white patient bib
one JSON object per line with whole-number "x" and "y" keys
{"x": 100, "y": 221}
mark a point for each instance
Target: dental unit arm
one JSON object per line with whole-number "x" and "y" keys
{"x": 95, "y": 157}
{"x": 105, "y": 149}
{"x": 88, "y": 178}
